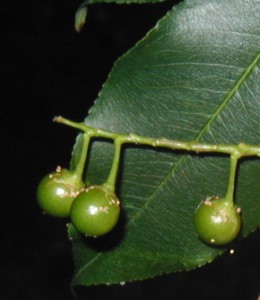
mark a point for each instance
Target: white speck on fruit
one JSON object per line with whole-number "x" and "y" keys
{"x": 104, "y": 209}
{"x": 212, "y": 241}
{"x": 114, "y": 202}
{"x": 232, "y": 251}
{"x": 122, "y": 283}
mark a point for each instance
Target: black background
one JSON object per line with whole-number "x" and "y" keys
{"x": 48, "y": 69}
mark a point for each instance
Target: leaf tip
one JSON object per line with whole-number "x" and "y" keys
{"x": 80, "y": 18}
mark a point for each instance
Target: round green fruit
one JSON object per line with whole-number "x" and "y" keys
{"x": 217, "y": 221}
{"x": 56, "y": 192}
{"x": 95, "y": 211}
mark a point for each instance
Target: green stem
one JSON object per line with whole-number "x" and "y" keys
{"x": 111, "y": 180}
{"x": 83, "y": 156}
{"x": 193, "y": 146}
{"x": 232, "y": 177}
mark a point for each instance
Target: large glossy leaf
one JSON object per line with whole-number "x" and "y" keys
{"x": 195, "y": 76}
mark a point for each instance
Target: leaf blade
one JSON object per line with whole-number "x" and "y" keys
{"x": 166, "y": 86}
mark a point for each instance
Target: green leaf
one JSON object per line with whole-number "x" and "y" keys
{"x": 195, "y": 76}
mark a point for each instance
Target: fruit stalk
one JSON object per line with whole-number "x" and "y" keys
{"x": 232, "y": 177}
{"x": 80, "y": 166}
{"x": 111, "y": 180}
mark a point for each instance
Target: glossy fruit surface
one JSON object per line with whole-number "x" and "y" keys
{"x": 217, "y": 221}
{"x": 56, "y": 191}
{"x": 95, "y": 211}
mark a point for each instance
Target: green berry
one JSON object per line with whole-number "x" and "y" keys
{"x": 217, "y": 221}
{"x": 95, "y": 211}
{"x": 56, "y": 192}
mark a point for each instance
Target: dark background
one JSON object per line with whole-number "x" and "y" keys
{"x": 48, "y": 69}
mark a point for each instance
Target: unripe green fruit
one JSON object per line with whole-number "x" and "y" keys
{"x": 56, "y": 192}
{"x": 217, "y": 221}
{"x": 95, "y": 211}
